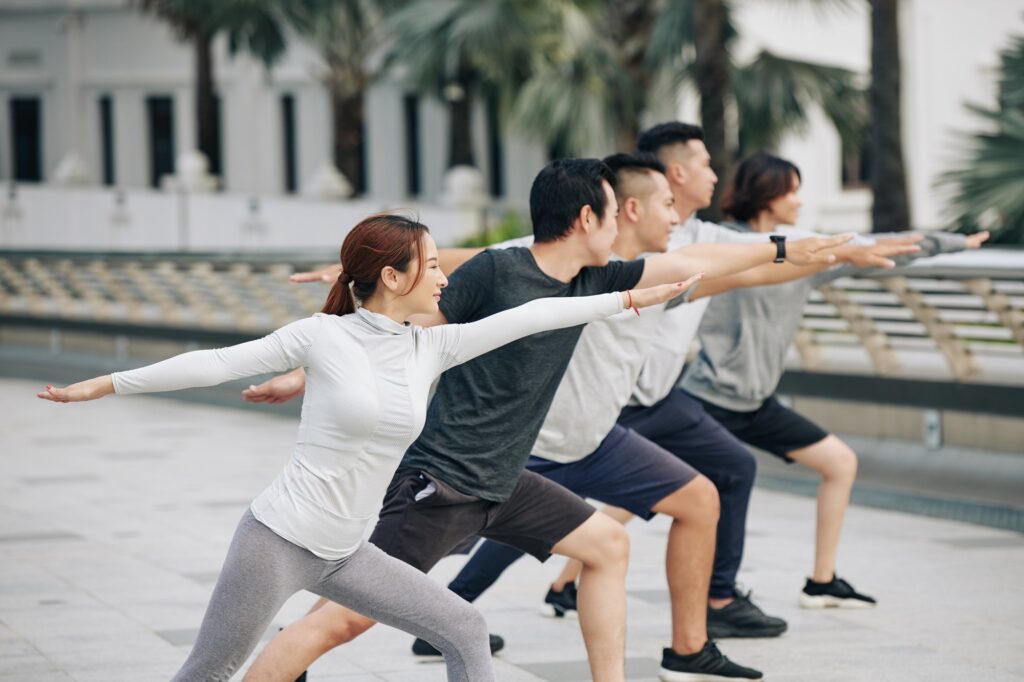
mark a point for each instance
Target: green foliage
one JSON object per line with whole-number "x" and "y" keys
{"x": 255, "y": 26}
{"x": 986, "y": 186}
{"x": 511, "y": 225}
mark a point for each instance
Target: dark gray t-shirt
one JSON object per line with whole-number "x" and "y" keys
{"x": 485, "y": 416}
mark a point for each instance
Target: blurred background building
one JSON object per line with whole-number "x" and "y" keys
{"x": 378, "y": 101}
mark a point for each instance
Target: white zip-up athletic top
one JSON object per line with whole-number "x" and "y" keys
{"x": 368, "y": 380}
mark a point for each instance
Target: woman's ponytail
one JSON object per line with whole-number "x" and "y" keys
{"x": 340, "y": 301}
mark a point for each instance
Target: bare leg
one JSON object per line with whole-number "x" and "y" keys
{"x": 602, "y": 546}
{"x": 296, "y": 647}
{"x": 571, "y": 572}
{"x": 689, "y": 559}
{"x": 837, "y": 464}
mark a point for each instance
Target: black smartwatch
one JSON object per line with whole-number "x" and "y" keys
{"x": 780, "y": 247}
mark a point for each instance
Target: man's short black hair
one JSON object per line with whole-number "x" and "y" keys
{"x": 635, "y": 161}
{"x": 561, "y": 190}
{"x": 664, "y": 134}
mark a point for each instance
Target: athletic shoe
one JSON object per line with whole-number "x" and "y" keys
{"x": 707, "y": 665}
{"x": 834, "y": 594}
{"x": 422, "y": 647}
{"x": 561, "y": 604}
{"x": 302, "y": 677}
{"x": 742, "y": 618}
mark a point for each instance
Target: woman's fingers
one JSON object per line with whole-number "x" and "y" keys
{"x": 53, "y": 394}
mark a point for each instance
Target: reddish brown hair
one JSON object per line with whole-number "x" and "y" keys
{"x": 759, "y": 179}
{"x": 371, "y": 246}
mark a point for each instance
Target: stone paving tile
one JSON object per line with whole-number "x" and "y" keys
{"x": 115, "y": 517}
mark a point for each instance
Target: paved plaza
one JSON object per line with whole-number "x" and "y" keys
{"x": 115, "y": 517}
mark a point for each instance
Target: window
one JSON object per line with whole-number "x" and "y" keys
{"x": 107, "y": 139}
{"x": 495, "y": 149}
{"x": 160, "y": 115}
{"x": 288, "y": 138}
{"x": 411, "y": 107}
{"x": 856, "y": 170}
{"x": 26, "y": 139}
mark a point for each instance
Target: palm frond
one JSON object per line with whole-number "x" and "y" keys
{"x": 773, "y": 95}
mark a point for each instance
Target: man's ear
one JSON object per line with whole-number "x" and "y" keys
{"x": 676, "y": 173}
{"x": 631, "y": 208}
{"x": 584, "y": 217}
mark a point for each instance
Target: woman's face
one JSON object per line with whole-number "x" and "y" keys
{"x": 423, "y": 297}
{"x": 786, "y": 208}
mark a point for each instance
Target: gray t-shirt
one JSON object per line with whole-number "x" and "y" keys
{"x": 485, "y": 416}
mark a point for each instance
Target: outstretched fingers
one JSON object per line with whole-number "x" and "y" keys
{"x": 55, "y": 395}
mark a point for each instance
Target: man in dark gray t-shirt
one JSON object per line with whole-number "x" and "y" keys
{"x": 486, "y": 414}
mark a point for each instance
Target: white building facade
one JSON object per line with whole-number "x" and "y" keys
{"x": 98, "y": 86}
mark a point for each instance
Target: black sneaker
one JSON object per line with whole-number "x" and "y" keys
{"x": 422, "y": 647}
{"x": 302, "y": 677}
{"x": 837, "y": 594}
{"x": 706, "y": 665}
{"x": 742, "y": 618}
{"x": 561, "y": 604}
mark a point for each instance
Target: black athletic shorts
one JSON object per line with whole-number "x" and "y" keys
{"x": 772, "y": 427}
{"x": 424, "y": 518}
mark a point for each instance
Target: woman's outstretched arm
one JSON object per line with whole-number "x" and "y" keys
{"x": 282, "y": 350}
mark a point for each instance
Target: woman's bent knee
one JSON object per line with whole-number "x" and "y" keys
{"x": 342, "y": 628}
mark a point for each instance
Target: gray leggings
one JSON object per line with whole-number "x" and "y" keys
{"x": 263, "y": 570}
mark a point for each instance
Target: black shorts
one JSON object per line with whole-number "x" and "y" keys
{"x": 420, "y": 532}
{"x": 772, "y": 427}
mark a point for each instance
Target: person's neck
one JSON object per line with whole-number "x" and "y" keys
{"x": 626, "y": 245}
{"x": 388, "y": 308}
{"x": 763, "y": 222}
{"x": 559, "y": 259}
{"x": 684, "y": 208}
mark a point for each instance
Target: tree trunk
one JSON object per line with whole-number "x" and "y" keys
{"x": 348, "y": 121}
{"x": 460, "y": 117}
{"x": 712, "y": 76}
{"x": 891, "y": 209}
{"x": 206, "y": 106}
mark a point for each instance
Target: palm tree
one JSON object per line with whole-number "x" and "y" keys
{"x": 343, "y": 31}
{"x": 987, "y": 184}
{"x": 251, "y": 25}
{"x": 453, "y": 48}
{"x": 891, "y": 208}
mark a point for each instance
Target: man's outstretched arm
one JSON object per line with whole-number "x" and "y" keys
{"x": 720, "y": 260}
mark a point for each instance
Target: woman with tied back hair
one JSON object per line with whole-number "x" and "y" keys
{"x": 745, "y": 336}
{"x": 368, "y": 376}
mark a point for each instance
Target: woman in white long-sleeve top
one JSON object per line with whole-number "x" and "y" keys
{"x": 369, "y": 374}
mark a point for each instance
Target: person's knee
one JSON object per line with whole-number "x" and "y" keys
{"x": 745, "y": 466}
{"x": 613, "y": 544}
{"x": 340, "y": 630}
{"x": 843, "y": 464}
{"x": 704, "y": 497}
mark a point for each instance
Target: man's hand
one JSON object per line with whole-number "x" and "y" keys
{"x": 977, "y": 239}
{"x": 814, "y": 250}
{"x": 879, "y": 254}
{"x": 280, "y": 389}
{"x": 327, "y": 274}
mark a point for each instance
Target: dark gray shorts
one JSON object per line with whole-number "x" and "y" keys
{"x": 420, "y": 532}
{"x": 772, "y": 427}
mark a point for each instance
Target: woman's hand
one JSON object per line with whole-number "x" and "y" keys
{"x": 90, "y": 389}
{"x": 279, "y": 389}
{"x": 641, "y": 298}
{"x": 975, "y": 240}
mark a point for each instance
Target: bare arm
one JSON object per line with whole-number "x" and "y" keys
{"x": 864, "y": 256}
{"x": 720, "y": 260}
